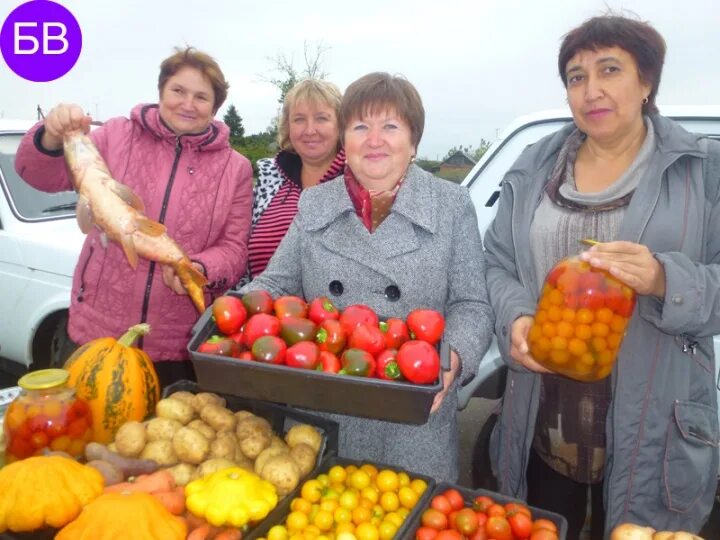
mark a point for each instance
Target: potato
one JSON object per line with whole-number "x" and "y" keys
{"x": 224, "y": 446}
{"x": 630, "y": 531}
{"x": 202, "y": 427}
{"x": 183, "y": 473}
{"x": 279, "y": 443}
{"x": 162, "y": 429}
{"x": 304, "y": 456}
{"x": 161, "y": 452}
{"x": 219, "y": 418}
{"x": 242, "y": 461}
{"x": 242, "y": 415}
{"x": 266, "y": 454}
{"x": 175, "y": 410}
{"x": 282, "y": 472}
{"x": 206, "y": 398}
{"x": 213, "y": 465}
{"x": 304, "y": 433}
{"x": 190, "y": 446}
{"x": 185, "y": 397}
{"x": 251, "y": 425}
{"x": 130, "y": 439}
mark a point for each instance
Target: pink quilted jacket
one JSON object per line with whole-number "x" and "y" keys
{"x": 196, "y": 185}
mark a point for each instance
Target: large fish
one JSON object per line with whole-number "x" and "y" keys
{"x": 118, "y": 212}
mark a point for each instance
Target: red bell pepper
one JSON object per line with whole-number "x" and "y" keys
{"x": 419, "y": 362}
{"x": 304, "y": 355}
{"x": 387, "y": 367}
{"x": 229, "y": 314}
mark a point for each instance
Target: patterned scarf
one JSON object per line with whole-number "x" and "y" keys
{"x": 372, "y": 206}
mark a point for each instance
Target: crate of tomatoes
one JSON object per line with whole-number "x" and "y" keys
{"x": 455, "y": 513}
{"x": 311, "y": 354}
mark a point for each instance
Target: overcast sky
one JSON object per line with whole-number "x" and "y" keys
{"x": 476, "y": 63}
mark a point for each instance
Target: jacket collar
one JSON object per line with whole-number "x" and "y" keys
{"x": 215, "y": 137}
{"x": 414, "y": 201}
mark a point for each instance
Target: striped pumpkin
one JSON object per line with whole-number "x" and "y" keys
{"x": 117, "y": 380}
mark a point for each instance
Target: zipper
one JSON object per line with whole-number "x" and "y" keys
{"x": 163, "y": 211}
{"x": 82, "y": 275}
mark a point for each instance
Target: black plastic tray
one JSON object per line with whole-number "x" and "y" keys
{"x": 355, "y": 396}
{"x": 469, "y": 495}
{"x": 281, "y": 511}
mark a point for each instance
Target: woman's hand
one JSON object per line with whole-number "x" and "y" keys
{"x": 61, "y": 119}
{"x": 448, "y": 378}
{"x": 171, "y": 279}
{"x": 519, "y": 350}
{"x": 631, "y": 263}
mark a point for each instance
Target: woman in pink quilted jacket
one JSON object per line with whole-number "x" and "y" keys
{"x": 178, "y": 160}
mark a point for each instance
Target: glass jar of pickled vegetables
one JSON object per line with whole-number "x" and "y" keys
{"x": 580, "y": 320}
{"x": 46, "y": 414}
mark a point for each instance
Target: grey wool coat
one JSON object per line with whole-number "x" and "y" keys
{"x": 429, "y": 248}
{"x": 662, "y": 428}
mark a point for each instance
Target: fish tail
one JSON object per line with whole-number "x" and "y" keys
{"x": 193, "y": 280}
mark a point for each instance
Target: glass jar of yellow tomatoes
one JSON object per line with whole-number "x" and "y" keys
{"x": 580, "y": 320}
{"x": 46, "y": 414}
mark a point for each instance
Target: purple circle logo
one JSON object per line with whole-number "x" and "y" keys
{"x": 40, "y": 40}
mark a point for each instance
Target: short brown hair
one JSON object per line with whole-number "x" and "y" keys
{"x": 638, "y": 38}
{"x": 314, "y": 91}
{"x": 205, "y": 64}
{"x": 378, "y": 91}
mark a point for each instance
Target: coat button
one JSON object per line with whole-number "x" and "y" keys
{"x": 392, "y": 293}
{"x": 677, "y": 299}
{"x": 504, "y": 330}
{"x": 336, "y": 287}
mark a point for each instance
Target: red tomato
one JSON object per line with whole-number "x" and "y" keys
{"x": 513, "y": 508}
{"x": 386, "y": 365}
{"x": 39, "y": 439}
{"x": 482, "y": 518}
{"x": 257, "y": 302}
{"x": 56, "y": 429}
{"x": 591, "y": 281}
{"x": 434, "y": 519}
{"x": 269, "y": 350}
{"x": 592, "y": 299}
{"x": 368, "y": 338}
{"x": 38, "y": 423}
{"x": 20, "y": 448}
{"x": 482, "y": 503}
{"x": 322, "y": 309}
{"x": 425, "y": 533}
{"x": 426, "y": 325}
{"x": 239, "y": 336}
{"x": 419, "y": 362}
{"x": 496, "y": 510}
{"x": 329, "y": 362}
{"x": 290, "y": 306}
{"x": 395, "y": 332}
{"x": 520, "y": 524}
{"x": 331, "y": 337}
{"x": 451, "y": 520}
{"x": 229, "y": 314}
{"x": 466, "y": 522}
{"x": 355, "y": 315}
{"x": 543, "y": 534}
{"x": 554, "y": 274}
{"x": 77, "y": 428}
{"x": 261, "y": 324}
{"x": 480, "y": 534}
{"x": 497, "y": 528}
{"x": 455, "y": 498}
{"x": 245, "y": 355}
{"x": 440, "y": 502}
{"x": 543, "y": 523}
{"x": 449, "y": 535}
{"x": 304, "y": 355}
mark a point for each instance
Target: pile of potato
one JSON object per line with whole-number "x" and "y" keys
{"x": 193, "y": 435}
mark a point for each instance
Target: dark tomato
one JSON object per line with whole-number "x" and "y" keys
{"x": 290, "y": 306}
{"x": 440, "y": 502}
{"x": 520, "y": 525}
{"x": 269, "y": 350}
{"x": 434, "y": 519}
{"x": 257, "y": 302}
{"x": 219, "y": 345}
{"x": 455, "y": 498}
{"x": 368, "y": 338}
{"x": 482, "y": 502}
{"x": 296, "y": 329}
{"x": 229, "y": 314}
{"x": 497, "y": 528}
{"x": 466, "y": 522}
{"x": 355, "y": 315}
{"x": 395, "y": 332}
{"x": 331, "y": 336}
{"x": 322, "y": 309}
{"x": 358, "y": 363}
{"x": 304, "y": 355}
{"x": 425, "y": 533}
{"x": 426, "y": 325}
{"x": 261, "y": 324}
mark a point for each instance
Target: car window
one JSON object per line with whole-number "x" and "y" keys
{"x": 28, "y": 203}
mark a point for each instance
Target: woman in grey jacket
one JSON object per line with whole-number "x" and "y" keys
{"x": 648, "y": 190}
{"x": 391, "y": 236}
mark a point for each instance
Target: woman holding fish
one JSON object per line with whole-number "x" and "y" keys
{"x": 168, "y": 172}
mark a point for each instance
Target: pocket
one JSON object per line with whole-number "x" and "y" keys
{"x": 690, "y": 454}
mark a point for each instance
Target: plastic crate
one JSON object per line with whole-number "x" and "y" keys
{"x": 469, "y": 495}
{"x": 317, "y": 390}
{"x": 281, "y": 511}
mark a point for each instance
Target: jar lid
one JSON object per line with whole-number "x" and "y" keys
{"x": 44, "y": 378}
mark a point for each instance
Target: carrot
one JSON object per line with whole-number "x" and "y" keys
{"x": 193, "y": 521}
{"x": 201, "y": 533}
{"x": 173, "y": 501}
{"x": 229, "y": 534}
{"x": 148, "y": 483}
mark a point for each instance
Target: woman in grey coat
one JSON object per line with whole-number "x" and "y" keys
{"x": 649, "y": 191}
{"x": 391, "y": 236}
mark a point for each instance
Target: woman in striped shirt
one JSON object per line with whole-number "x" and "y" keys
{"x": 310, "y": 153}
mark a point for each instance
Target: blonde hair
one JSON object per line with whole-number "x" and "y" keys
{"x": 315, "y": 91}
{"x": 205, "y": 64}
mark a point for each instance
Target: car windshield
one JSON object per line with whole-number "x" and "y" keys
{"x": 27, "y": 202}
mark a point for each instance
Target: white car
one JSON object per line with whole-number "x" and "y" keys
{"x": 39, "y": 245}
